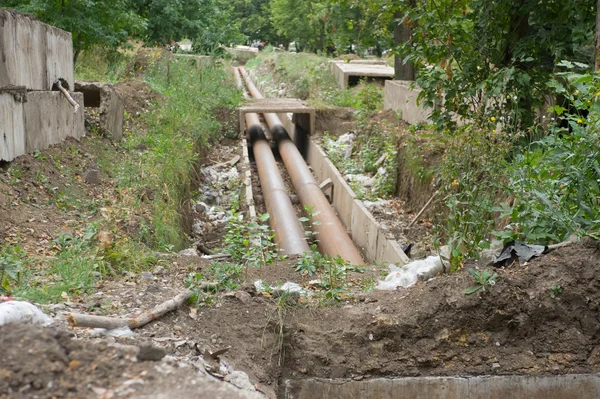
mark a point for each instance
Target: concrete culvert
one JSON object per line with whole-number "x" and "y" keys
{"x": 108, "y": 104}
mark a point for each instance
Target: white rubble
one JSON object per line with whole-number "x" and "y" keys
{"x": 22, "y": 312}
{"x": 409, "y": 274}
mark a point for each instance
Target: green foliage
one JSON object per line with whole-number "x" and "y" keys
{"x": 327, "y": 25}
{"x": 484, "y": 279}
{"x": 250, "y": 244}
{"x": 207, "y": 23}
{"x": 220, "y": 276}
{"x": 493, "y": 58}
{"x": 107, "y": 23}
{"x": 11, "y": 268}
{"x": 75, "y": 269}
{"x": 103, "y": 65}
{"x": 310, "y": 262}
{"x": 471, "y": 177}
{"x": 556, "y": 181}
{"x": 172, "y": 134}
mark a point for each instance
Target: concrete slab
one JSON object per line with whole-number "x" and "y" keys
{"x": 401, "y": 98}
{"x": 104, "y": 98}
{"x": 49, "y": 119}
{"x": 303, "y": 114}
{"x": 364, "y": 230}
{"x": 59, "y": 58}
{"x": 33, "y": 54}
{"x": 12, "y": 126}
{"x": 345, "y": 73}
{"x": 343, "y": 196}
{"x": 574, "y": 386}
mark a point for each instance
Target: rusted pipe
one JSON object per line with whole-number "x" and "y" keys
{"x": 283, "y": 220}
{"x": 333, "y": 238}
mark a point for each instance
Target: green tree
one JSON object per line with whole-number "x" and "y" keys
{"x": 208, "y": 23}
{"x": 107, "y": 23}
{"x": 480, "y": 59}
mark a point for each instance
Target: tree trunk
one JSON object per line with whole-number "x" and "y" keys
{"x": 402, "y": 34}
{"x": 597, "y": 61}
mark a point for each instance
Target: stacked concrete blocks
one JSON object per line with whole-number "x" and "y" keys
{"x": 33, "y": 56}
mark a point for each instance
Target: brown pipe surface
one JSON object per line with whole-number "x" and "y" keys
{"x": 333, "y": 238}
{"x": 283, "y": 220}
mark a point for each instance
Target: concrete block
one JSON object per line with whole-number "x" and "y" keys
{"x": 33, "y": 54}
{"x": 399, "y": 96}
{"x": 49, "y": 119}
{"x": 59, "y": 58}
{"x": 277, "y": 106}
{"x": 12, "y": 126}
{"x": 347, "y": 74}
{"x": 574, "y": 386}
{"x": 380, "y": 388}
{"x": 104, "y": 98}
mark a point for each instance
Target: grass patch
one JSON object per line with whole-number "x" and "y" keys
{"x": 160, "y": 153}
{"x": 307, "y": 76}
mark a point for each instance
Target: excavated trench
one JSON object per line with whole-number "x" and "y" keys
{"x": 337, "y": 371}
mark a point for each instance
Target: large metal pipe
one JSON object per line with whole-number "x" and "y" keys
{"x": 283, "y": 220}
{"x": 333, "y": 238}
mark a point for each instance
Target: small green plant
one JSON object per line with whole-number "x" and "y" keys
{"x": 555, "y": 291}
{"x": 11, "y": 268}
{"x": 311, "y": 235}
{"x": 250, "y": 244}
{"x": 310, "y": 262}
{"x": 483, "y": 279}
{"x": 220, "y": 276}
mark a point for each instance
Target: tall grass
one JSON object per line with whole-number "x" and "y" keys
{"x": 172, "y": 135}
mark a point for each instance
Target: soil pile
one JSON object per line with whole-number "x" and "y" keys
{"x": 541, "y": 318}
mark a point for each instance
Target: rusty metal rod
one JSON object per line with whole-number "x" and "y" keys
{"x": 333, "y": 238}
{"x": 289, "y": 234}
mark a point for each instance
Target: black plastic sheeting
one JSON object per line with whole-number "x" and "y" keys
{"x": 518, "y": 250}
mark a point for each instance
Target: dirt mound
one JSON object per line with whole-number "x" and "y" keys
{"x": 47, "y": 363}
{"x": 334, "y": 121}
{"x": 541, "y": 318}
{"x": 137, "y": 96}
{"x": 347, "y": 57}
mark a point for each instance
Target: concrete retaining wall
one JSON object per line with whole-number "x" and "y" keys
{"x": 398, "y": 96}
{"x": 49, "y": 119}
{"x": 496, "y": 387}
{"x": 343, "y": 72}
{"x": 372, "y": 238}
{"x": 12, "y": 127}
{"x": 33, "y": 54}
{"x": 44, "y": 119}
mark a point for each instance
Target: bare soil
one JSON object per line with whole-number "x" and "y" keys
{"x": 514, "y": 327}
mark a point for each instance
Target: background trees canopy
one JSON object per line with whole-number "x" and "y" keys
{"x": 107, "y": 23}
{"x": 479, "y": 58}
